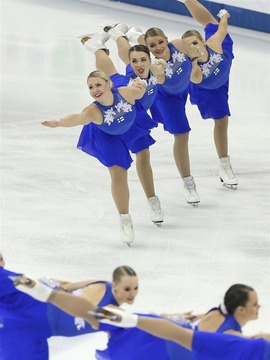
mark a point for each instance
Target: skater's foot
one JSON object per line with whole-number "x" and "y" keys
{"x": 116, "y": 31}
{"x": 95, "y": 42}
{"x": 133, "y": 34}
{"x": 226, "y": 173}
{"x": 126, "y": 228}
{"x": 192, "y": 197}
{"x": 156, "y": 212}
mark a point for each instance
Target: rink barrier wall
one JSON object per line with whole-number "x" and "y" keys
{"x": 240, "y": 17}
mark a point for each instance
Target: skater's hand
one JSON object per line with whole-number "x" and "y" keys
{"x": 138, "y": 83}
{"x": 160, "y": 62}
{"x": 51, "y": 123}
{"x": 32, "y": 287}
{"x": 223, "y": 12}
{"x": 186, "y": 317}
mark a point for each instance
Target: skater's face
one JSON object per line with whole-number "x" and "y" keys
{"x": 140, "y": 62}
{"x": 251, "y": 310}
{"x": 158, "y": 46}
{"x": 99, "y": 88}
{"x": 126, "y": 290}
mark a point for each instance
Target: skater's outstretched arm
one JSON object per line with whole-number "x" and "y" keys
{"x": 89, "y": 114}
{"x": 199, "y": 12}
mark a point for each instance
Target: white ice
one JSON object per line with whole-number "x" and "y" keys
{"x": 57, "y": 215}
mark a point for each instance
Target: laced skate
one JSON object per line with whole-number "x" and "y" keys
{"x": 156, "y": 212}
{"x": 192, "y": 196}
{"x": 133, "y": 34}
{"x": 116, "y": 31}
{"x": 126, "y": 227}
{"x": 226, "y": 174}
{"x": 95, "y": 42}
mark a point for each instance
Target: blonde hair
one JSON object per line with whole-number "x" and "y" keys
{"x": 154, "y": 32}
{"x": 101, "y": 74}
{"x": 192, "y": 33}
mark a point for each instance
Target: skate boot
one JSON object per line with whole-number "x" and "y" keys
{"x": 116, "y": 31}
{"x": 192, "y": 196}
{"x": 95, "y": 42}
{"x": 156, "y": 212}
{"x": 126, "y": 227}
{"x": 226, "y": 174}
{"x": 134, "y": 33}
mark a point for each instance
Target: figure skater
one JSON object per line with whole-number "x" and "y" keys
{"x": 169, "y": 104}
{"x": 131, "y": 344}
{"x": 105, "y": 121}
{"x": 138, "y": 137}
{"x": 210, "y": 78}
{"x": 27, "y": 324}
{"x": 204, "y": 345}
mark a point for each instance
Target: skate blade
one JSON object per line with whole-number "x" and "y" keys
{"x": 229, "y": 186}
{"x": 194, "y": 204}
{"x": 85, "y": 35}
{"x": 22, "y": 280}
{"x": 158, "y": 223}
{"x": 107, "y": 28}
{"x": 127, "y": 243}
{"x": 103, "y": 315}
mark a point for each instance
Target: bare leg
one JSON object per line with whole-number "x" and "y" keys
{"x": 200, "y": 13}
{"x": 181, "y": 154}
{"x": 123, "y": 48}
{"x": 119, "y": 188}
{"x": 221, "y": 136}
{"x": 104, "y": 62}
{"x": 145, "y": 172}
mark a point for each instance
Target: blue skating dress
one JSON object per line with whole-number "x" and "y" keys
{"x": 211, "y": 95}
{"x": 131, "y": 344}
{"x": 26, "y": 323}
{"x": 213, "y": 346}
{"x": 105, "y": 142}
{"x": 169, "y": 104}
{"x": 25, "y": 327}
{"x": 138, "y": 136}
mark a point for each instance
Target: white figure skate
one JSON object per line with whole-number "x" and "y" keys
{"x": 95, "y": 42}
{"x": 134, "y": 33}
{"x": 192, "y": 197}
{"x": 156, "y": 212}
{"x": 126, "y": 228}
{"x": 116, "y": 31}
{"x": 226, "y": 173}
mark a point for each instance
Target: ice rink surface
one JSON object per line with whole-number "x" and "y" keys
{"x": 57, "y": 215}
